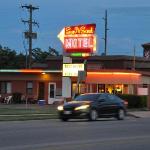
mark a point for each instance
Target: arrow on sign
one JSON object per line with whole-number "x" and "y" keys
{"x": 61, "y": 35}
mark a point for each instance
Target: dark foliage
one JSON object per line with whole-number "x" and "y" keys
{"x": 134, "y": 101}
{"x": 9, "y": 59}
{"x": 40, "y": 56}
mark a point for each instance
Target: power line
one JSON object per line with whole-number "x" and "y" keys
{"x": 29, "y": 34}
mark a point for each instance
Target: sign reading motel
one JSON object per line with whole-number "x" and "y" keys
{"x": 80, "y": 38}
{"x": 73, "y": 44}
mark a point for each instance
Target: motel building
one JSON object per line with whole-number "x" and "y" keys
{"x": 62, "y": 77}
{"x": 113, "y": 74}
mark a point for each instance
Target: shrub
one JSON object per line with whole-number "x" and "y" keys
{"x": 134, "y": 101}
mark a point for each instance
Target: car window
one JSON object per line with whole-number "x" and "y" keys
{"x": 102, "y": 97}
{"x": 87, "y": 97}
{"x": 118, "y": 99}
{"x": 114, "y": 98}
{"x": 111, "y": 97}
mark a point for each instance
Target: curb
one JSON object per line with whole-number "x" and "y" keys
{"x": 132, "y": 115}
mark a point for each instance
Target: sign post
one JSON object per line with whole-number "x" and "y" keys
{"x": 66, "y": 81}
{"x": 148, "y": 97}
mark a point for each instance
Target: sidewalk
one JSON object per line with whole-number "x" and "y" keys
{"x": 139, "y": 114}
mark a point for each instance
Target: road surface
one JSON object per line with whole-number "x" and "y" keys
{"x": 104, "y": 134}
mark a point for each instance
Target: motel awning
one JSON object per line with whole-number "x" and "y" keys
{"x": 113, "y": 77}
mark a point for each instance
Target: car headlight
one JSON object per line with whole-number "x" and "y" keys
{"x": 82, "y": 107}
{"x": 60, "y": 108}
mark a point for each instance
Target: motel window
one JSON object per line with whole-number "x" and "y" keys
{"x": 80, "y": 89}
{"x": 29, "y": 87}
{"x": 58, "y": 92}
{"x": 145, "y": 85}
{"x": 5, "y": 87}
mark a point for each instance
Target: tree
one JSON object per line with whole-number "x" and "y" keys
{"x": 53, "y": 52}
{"x": 9, "y": 59}
{"x": 20, "y": 61}
{"x": 40, "y": 56}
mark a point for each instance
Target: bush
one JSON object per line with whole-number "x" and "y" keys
{"x": 16, "y": 97}
{"x": 134, "y": 101}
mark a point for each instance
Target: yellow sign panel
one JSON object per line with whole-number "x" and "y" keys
{"x": 71, "y": 70}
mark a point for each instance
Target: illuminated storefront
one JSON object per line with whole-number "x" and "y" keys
{"x": 122, "y": 82}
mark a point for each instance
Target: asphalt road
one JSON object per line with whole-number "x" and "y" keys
{"x": 105, "y": 134}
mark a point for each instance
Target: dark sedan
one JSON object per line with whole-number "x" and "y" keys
{"x": 93, "y": 106}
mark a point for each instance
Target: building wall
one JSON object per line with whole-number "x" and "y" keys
{"x": 19, "y": 83}
{"x": 146, "y": 80}
{"x": 19, "y": 87}
{"x": 105, "y": 62}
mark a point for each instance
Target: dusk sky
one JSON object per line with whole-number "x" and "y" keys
{"x": 128, "y": 23}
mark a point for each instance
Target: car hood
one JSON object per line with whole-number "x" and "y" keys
{"x": 74, "y": 104}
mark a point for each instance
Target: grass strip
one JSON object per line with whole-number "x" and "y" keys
{"x": 27, "y": 117}
{"x": 32, "y": 112}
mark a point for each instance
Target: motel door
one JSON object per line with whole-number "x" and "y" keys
{"x": 51, "y": 93}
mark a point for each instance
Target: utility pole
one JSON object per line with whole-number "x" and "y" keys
{"x": 29, "y": 34}
{"x": 134, "y": 49}
{"x": 106, "y": 29}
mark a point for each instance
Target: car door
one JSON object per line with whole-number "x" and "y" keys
{"x": 113, "y": 105}
{"x": 102, "y": 105}
{"x": 106, "y": 105}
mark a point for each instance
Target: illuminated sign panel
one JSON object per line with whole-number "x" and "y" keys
{"x": 80, "y": 54}
{"x": 70, "y": 70}
{"x": 73, "y": 44}
{"x": 80, "y": 29}
{"x": 79, "y": 39}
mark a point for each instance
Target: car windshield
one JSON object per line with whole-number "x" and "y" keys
{"x": 87, "y": 97}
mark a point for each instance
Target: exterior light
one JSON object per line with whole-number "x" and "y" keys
{"x": 114, "y": 73}
{"x": 82, "y": 107}
{"x": 60, "y": 108}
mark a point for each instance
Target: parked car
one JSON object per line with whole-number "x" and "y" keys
{"x": 93, "y": 106}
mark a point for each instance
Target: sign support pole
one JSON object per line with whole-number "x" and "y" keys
{"x": 66, "y": 81}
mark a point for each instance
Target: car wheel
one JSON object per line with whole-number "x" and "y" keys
{"x": 121, "y": 114}
{"x": 93, "y": 115}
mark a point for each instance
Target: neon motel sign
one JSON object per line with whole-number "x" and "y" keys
{"x": 80, "y": 38}
{"x": 80, "y": 29}
{"x": 76, "y": 43}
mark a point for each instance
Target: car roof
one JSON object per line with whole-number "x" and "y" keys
{"x": 95, "y": 93}
{"x": 98, "y": 94}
